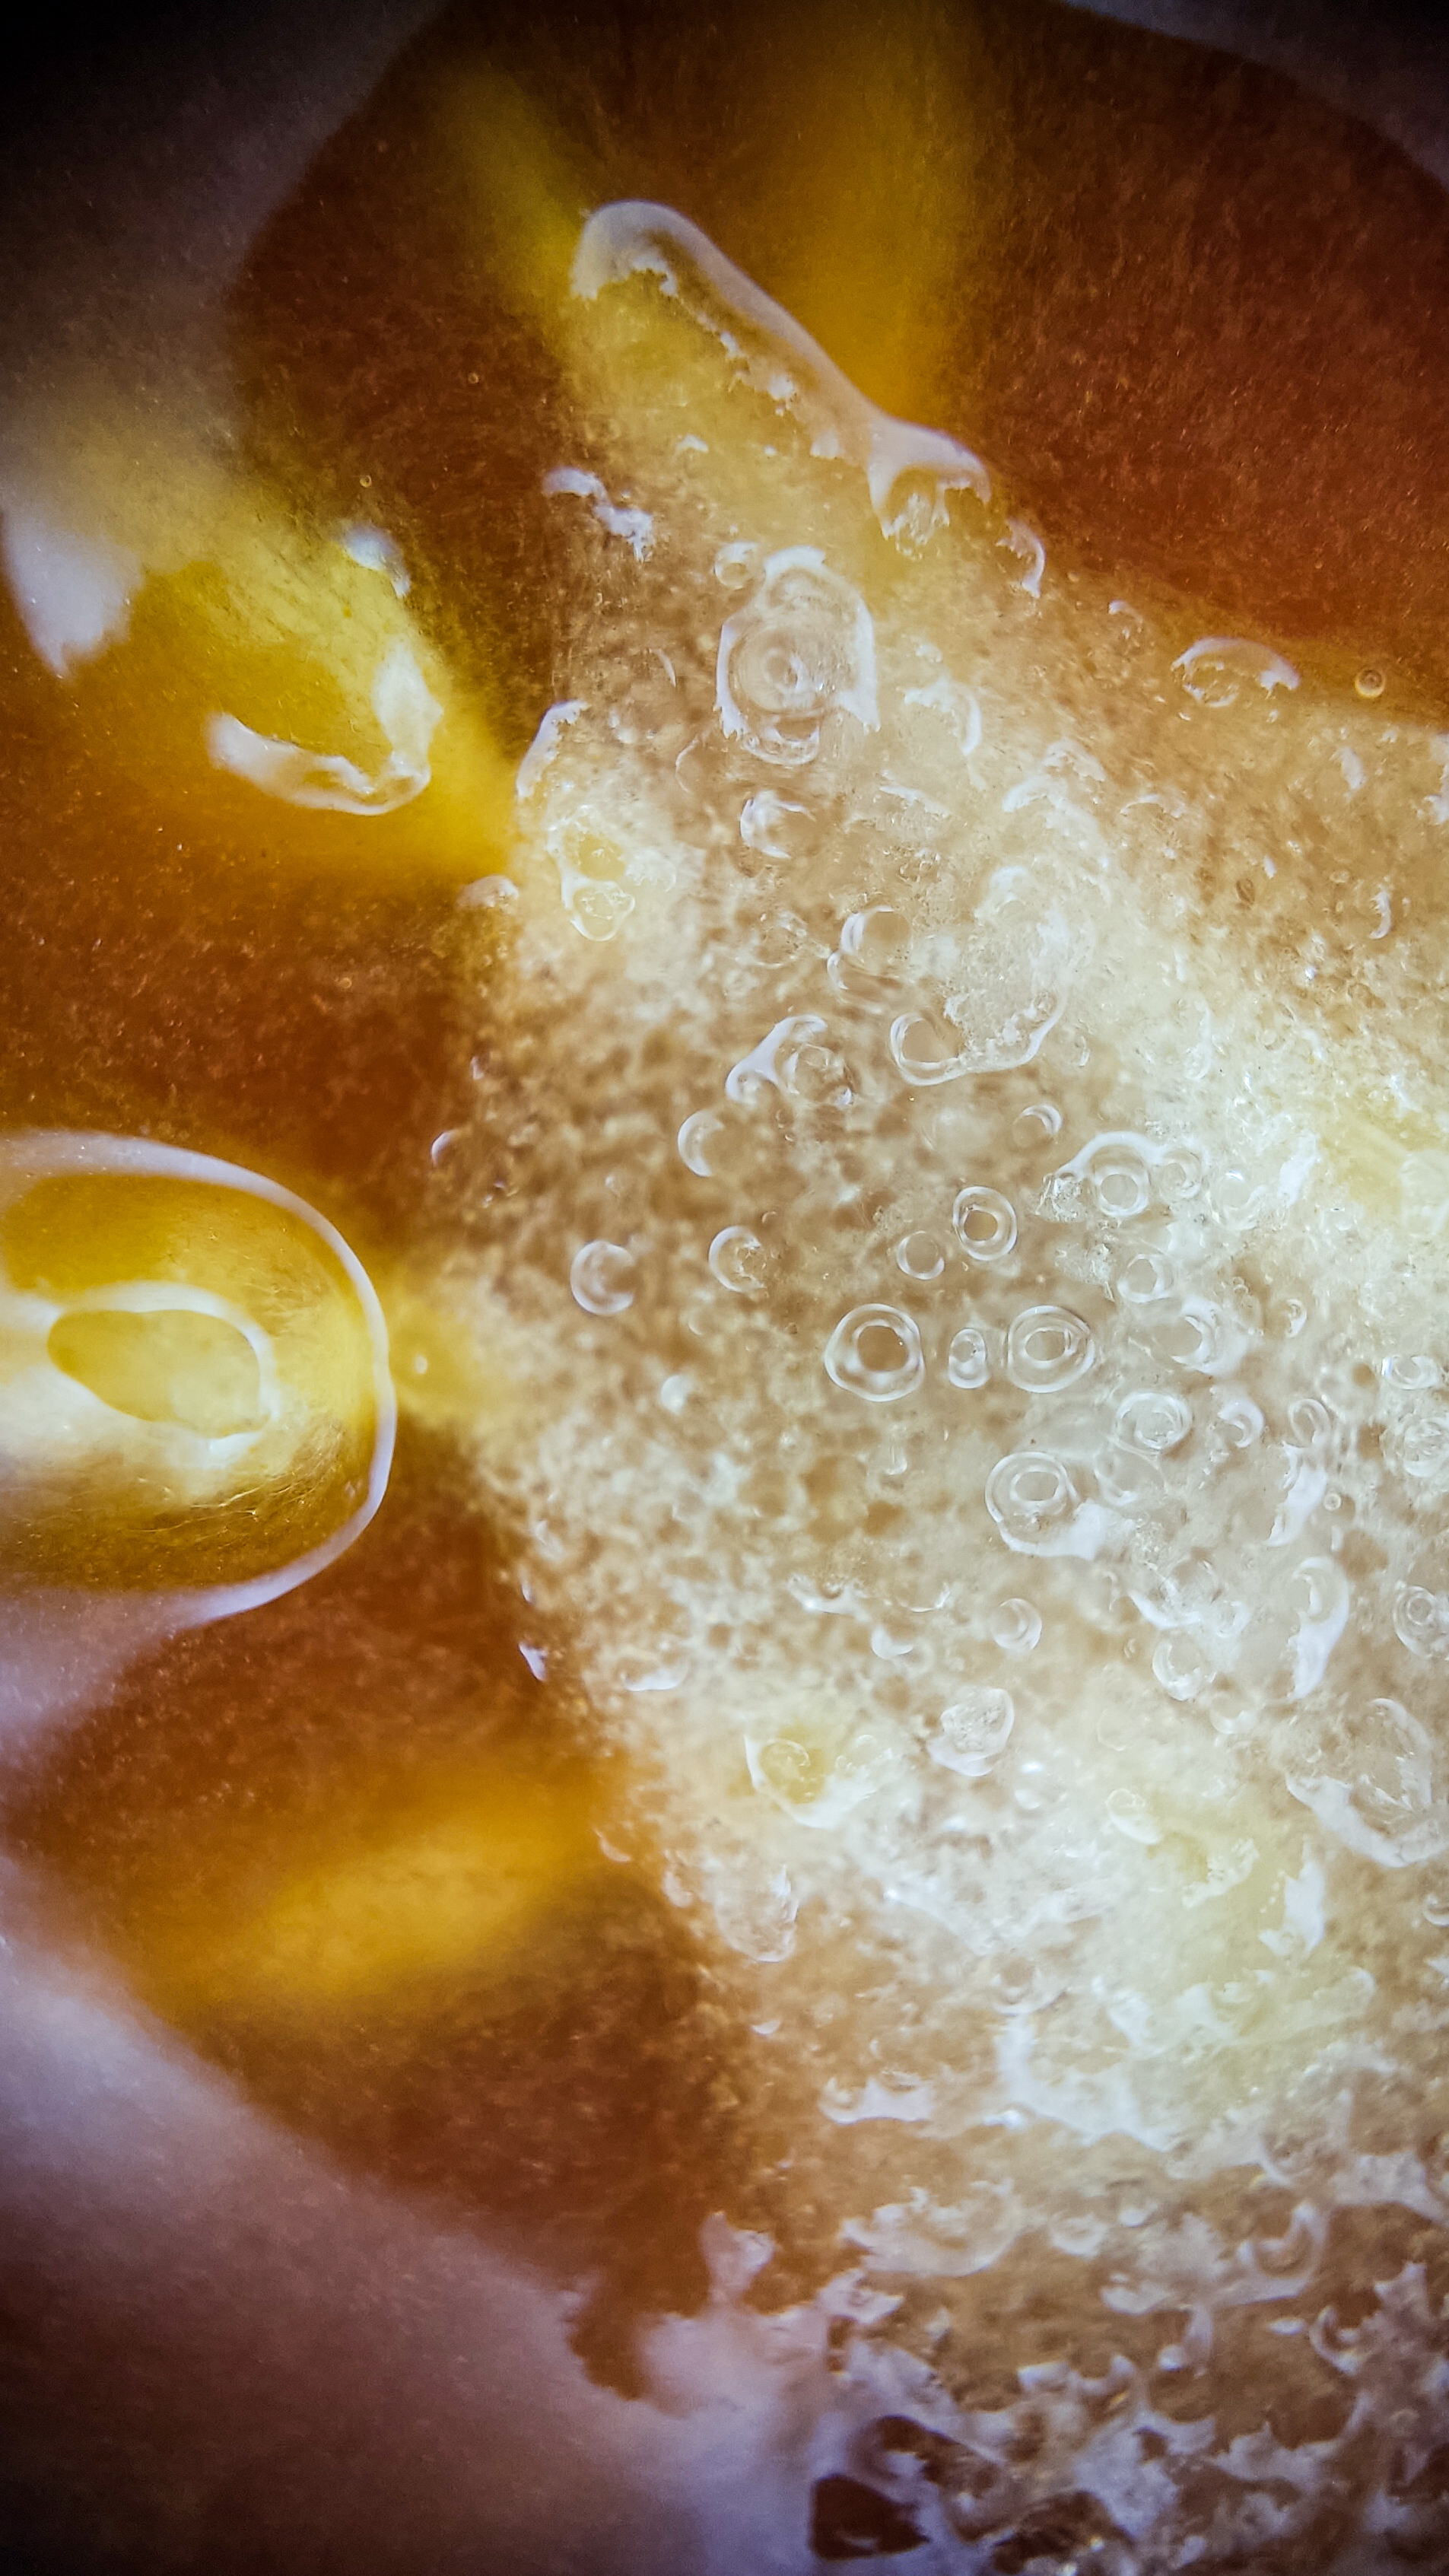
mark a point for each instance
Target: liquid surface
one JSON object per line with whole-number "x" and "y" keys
{"x": 872, "y": 1799}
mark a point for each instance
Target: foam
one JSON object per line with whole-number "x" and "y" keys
{"x": 1045, "y": 1624}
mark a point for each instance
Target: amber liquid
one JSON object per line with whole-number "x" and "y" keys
{"x": 1196, "y": 322}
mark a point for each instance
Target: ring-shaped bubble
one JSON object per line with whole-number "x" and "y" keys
{"x": 985, "y": 1223}
{"x": 1048, "y": 1348}
{"x": 875, "y": 1352}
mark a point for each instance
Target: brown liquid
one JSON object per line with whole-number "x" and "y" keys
{"x": 1106, "y": 261}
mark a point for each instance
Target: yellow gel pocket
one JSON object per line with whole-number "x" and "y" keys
{"x": 194, "y": 1393}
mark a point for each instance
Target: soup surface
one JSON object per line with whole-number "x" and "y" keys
{"x": 723, "y": 1386}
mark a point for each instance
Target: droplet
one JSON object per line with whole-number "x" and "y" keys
{"x": 1369, "y": 682}
{"x": 1153, "y": 1420}
{"x": 920, "y": 1256}
{"x": 1048, "y": 1348}
{"x": 971, "y": 1734}
{"x": 875, "y": 1352}
{"x": 985, "y": 1223}
{"x": 1015, "y": 1626}
{"x": 967, "y": 1363}
{"x": 601, "y": 1276}
{"x": 737, "y": 1259}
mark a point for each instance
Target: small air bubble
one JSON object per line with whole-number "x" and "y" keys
{"x": 972, "y": 1733}
{"x": 1370, "y": 682}
{"x": 1048, "y": 1348}
{"x": 737, "y": 1259}
{"x": 601, "y": 1276}
{"x": 1015, "y": 1626}
{"x": 875, "y": 1352}
{"x": 1037, "y": 1125}
{"x": 920, "y": 1256}
{"x": 985, "y": 1223}
{"x": 966, "y": 1361}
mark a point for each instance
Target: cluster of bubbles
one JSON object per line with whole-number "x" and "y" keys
{"x": 961, "y": 1320}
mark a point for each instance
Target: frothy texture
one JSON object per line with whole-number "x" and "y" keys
{"x": 967, "y": 1283}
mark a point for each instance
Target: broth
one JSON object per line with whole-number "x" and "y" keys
{"x": 867, "y": 1811}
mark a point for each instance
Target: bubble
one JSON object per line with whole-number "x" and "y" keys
{"x": 1048, "y": 1348}
{"x": 967, "y": 1363}
{"x": 1310, "y": 1422}
{"x": 1367, "y": 1775}
{"x": 1240, "y": 1421}
{"x": 1132, "y": 1816}
{"x": 1181, "y": 1170}
{"x": 875, "y": 1352}
{"x": 1120, "y": 1181}
{"x": 1412, "y": 1375}
{"x": 1036, "y": 1125}
{"x": 1153, "y": 1420}
{"x": 797, "y": 1060}
{"x": 695, "y": 1139}
{"x": 1020, "y": 1983}
{"x": 590, "y": 866}
{"x": 1369, "y": 682}
{"x": 1237, "y": 1198}
{"x": 737, "y": 1259}
{"x": 955, "y": 704}
{"x": 1022, "y": 541}
{"x": 1180, "y": 1665}
{"x": 1030, "y": 1496}
{"x": 971, "y": 1734}
{"x": 601, "y": 1276}
{"x": 1436, "y": 1909}
{"x": 1421, "y": 1621}
{"x": 802, "y": 647}
{"x": 807, "y": 1782}
{"x": 762, "y": 819}
{"x": 871, "y": 957}
{"x": 1147, "y": 1276}
{"x": 985, "y": 1223}
{"x": 920, "y": 1256}
{"x": 923, "y": 1052}
{"x": 1423, "y": 1445}
{"x": 1199, "y": 1337}
{"x": 1127, "y": 1477}
{"x": 1216, "y": 669}
{"x": 1015, "y": 1626}
{"x": 735, "y": 566}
